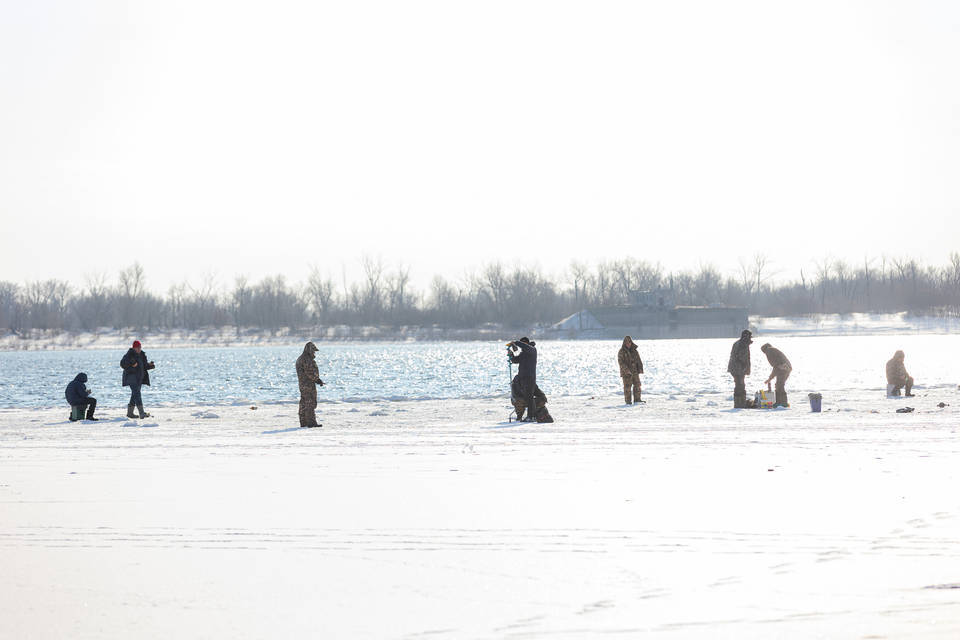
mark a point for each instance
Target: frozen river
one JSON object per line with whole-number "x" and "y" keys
{"x": 679, "y": 518}
{"x": 367, "y": 372}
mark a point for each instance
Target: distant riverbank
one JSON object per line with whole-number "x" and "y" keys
{"x": 900, "y": 323}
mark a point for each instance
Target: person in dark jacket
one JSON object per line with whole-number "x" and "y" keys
{"x": 524, "y": 353}
{"x": 631, "y": 366}
{"x": 739, "y": 368}
{"x": 135, "y": 367}
{"x": 79, "y": 396}
{"x": 308, "y": 379}
{"x": 781, "y": 371}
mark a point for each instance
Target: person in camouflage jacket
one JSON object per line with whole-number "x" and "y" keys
{"x": 897, "y": 376}
{"x": 308, "y": 377}
{"x": 739, "y": 367}
{"x": 631, "y": 366}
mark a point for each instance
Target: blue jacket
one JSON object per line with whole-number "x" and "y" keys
{"x": 135, "y": 374}
{"x": 76, "y": 392}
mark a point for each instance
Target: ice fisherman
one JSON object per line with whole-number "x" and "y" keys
{"x": 308, "y": 377}
{"x": 523, "y": 352}
{"x": 631, "y": 366}
{"x": 897, "y": 376}
{"x": 135, "y": 374}
{"x": 739, "y": 368}
{"x": 519, "y": 402}
{"x": 781, "y": 371}
{"x": 78, "y": 395}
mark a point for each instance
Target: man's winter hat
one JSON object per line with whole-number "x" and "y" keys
{"x": 136, "y": 343}
{"x": 766, "y": 346}
{"x": 525, "y": 339}
{"x": 746, "y": 334}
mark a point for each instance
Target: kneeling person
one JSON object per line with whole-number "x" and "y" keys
{"x": 518, "y": 398}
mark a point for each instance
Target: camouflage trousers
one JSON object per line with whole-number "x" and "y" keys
{"x": 631, "y": 385}
{"x": 520, "y": 405}
{"x": 308, "y": 406}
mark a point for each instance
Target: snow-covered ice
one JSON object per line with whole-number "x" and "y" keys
{"x": 440, "y": 519}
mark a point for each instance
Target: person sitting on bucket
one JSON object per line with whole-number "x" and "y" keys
{"x": 897, "y": 376}
{"x": 79, "y": 396}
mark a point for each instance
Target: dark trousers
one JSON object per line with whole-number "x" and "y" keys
{"x": 739, "y": 392}
{"x": 90, "y": 405}
{"x": 135, "y": 399}
{"x": 528, "y": 386}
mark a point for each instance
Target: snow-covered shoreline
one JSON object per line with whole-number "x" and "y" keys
{"x": 670, "y": 519}
{"x": 817, "y": 325}
{"x": 37, "y": 340}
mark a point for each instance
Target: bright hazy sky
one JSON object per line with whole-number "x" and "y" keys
{"x": 259, "y": 138}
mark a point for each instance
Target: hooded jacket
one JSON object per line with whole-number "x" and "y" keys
{"x": 629, "y": 359}
{"x": 897, "y": 370}
{"x": 135, "y": 374}
{"x": 76, "y": 392}
{"x": 777, "y": 360}
{"x": 307, "y": 373}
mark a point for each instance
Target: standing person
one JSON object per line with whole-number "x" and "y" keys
{"x": 79, "y": 396}
{"x": 631, "y": 366}
{"x": 897, "y": 376}
{"x": 135, "y": 367}
{"x": 526, "y": 372}
{"x": 308, "y": 377}
{"x": 739, "y": 368}
{"x": 781, "y": 371}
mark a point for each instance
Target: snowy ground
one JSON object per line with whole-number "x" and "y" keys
{"x": 680, "y": 518}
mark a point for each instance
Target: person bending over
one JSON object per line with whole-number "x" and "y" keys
{"x": 781, "y": 371}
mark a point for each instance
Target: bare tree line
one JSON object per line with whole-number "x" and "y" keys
{"x": 509, "y": 296}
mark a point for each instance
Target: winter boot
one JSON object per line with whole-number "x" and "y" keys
{"x": 739, "y": 401}
{"x": 130, "y": 413}
{"x": 143, "y": 414}
{"x": 781, "y": 399}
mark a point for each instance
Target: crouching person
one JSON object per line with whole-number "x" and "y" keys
{"x": 78, "y": 396}
{"x": 518, "y": 398}
{"x": 897, "y": 376}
